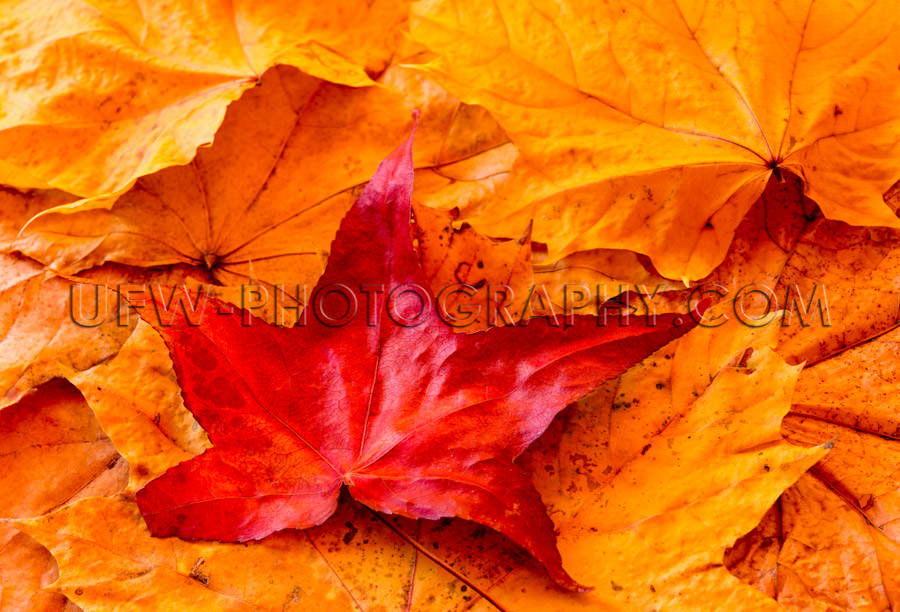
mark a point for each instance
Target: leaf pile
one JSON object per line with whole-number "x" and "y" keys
{"x": 191, "y": 193}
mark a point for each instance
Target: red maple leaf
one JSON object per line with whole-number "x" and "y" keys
{"x": 416, "y": 420}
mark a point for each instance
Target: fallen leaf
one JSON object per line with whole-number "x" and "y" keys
{"x": 113, "y": 562}
{"x": 258, "y": 205}
{"x": 399, "y": 437}
{"x": 835, "y": 282}
{"x": 784, "y": 246}
{"x": 37, "y": 332}
{"x": 25, "y": 568}
{"x": 18, "y": 206}
{"x": 52, "y": 452}
{"x": 50, "y": 325}
{"x": 98, "y": 94}
{"x": 469, "y": 270}
{"x": 151, "y": 429}
{"x": 475, "y": 275}
{"x": 605, "y": 274}
{"x": 831, "y": 542}
{"x": 655, "y": 128}
{"x": 845, "y": 396}
{"x": 846, "y": 281}
{"x": 154, "y": 431}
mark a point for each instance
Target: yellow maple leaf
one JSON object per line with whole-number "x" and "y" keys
{"x": 97, "y": 94}
{"x": 832, "y": 541}
{"x": 264, "y": 201}
{"x": 654, "y": 127}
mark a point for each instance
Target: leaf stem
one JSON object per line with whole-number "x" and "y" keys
{"x": 443, "y": 564}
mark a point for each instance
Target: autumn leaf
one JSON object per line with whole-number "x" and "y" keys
{"x": 99, "y": 94}
{"x": 437, "y": 440}
{"x": 654, "y": 128}
{"x": 52, "y": 452}
{"x": 38, "y": 337}
{"x": 655, "y": 154}
{"x": 495, "y": 273}
{"x": 844, "y": 396}
{"x": 153, "y": 431}
{"x": 510, "y": 274}
{"x": 835, "y": 281}
{"x": 783, "y": 257}
{"x": 113, "y": 562}
{"x": 861, "y": 295}
{"x": 50, "y": 325}
{"x": 257, "y": 206}
{"x": 26, "y": 568}
{"x": 832, "y": 538}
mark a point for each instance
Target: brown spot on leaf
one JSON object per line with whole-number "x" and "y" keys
{"x": 348, "y": 537}
{"x": 198, "y": 574}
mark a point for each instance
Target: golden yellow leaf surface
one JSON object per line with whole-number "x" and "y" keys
{"x": 52, "y": 451}
{"x": 25, "y": 568}
{"x": 827, "y": 544}
{"x": 654, "y": 127}
{"x": 855, "y": 268}
{"x": 110, "y": 563}
{"x": 37, "y": 334}
{"x": 151, "y": 429}
{"x": 832, "y": 541}
{"x": 482, "y": 282}
{"x": 836, "y": 282}
{"x": 99, "y": 93}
